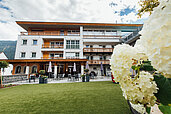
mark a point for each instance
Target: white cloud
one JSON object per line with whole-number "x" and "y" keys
{"x": 61, "y": 10}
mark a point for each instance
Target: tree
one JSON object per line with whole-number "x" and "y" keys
{"x": 3, "y": 64}
{"x": 147, "y": 6}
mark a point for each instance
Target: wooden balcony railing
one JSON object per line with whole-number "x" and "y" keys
{"x": 52, "y": 46}
{"x": 50, "y": 33}
{"x": 98, "y": 62}
{"x": 98, "y": 50}
{"x": 51, "y": 57}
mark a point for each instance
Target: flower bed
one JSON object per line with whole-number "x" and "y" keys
{"x": 8, "y": 85}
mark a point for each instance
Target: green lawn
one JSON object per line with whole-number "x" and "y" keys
{"x": 88, "y": 97}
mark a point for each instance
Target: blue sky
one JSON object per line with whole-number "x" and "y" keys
{"x": 101, "y": 11}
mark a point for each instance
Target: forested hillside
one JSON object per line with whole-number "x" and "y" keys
{"x": 9, "y": 48}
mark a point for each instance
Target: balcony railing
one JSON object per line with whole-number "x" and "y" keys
{"x": 51, "y": 57}
{"x": 98, "y": 62}
{"x": 62, "y": 58}
{"x": 102, "y": 36}
{"x": 50, "y": 33}
{"x": 98, "y": 50}
{"x": 52, "y": 46}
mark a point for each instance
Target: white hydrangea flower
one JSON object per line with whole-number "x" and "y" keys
{"x": 138, "y": 90}
{"x": 139, "y": 107}
{"x": 121, "y": 61}
{"x": 156, "y": 38}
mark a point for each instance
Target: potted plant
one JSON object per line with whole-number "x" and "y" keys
{"x": 3, "y": 64}
{"x": 83, "y": 78}
{"x": 87, "y": 76}
{"x": 86, "y": 70}
{"x": 42, "y": 77}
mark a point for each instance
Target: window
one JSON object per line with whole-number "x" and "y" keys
{"x": 52, "y": 55}
{"x": 56, "y": 55}
{"x": 56, "y": 44}
{"x": 72, "y": 55}
{"x": 101, "y": 57}
{"x": 77, "y": 54}
{"x": 87, "y": 57}
{"x": 104, "y": 46}
{"x": 33, "y": 54}
{"x": 72, "y": 44}
{"x": 34, "y": 69}
{"x": 24, "y": 42}
{"x": 68, "y": 44}
{"x": 24, "y": 71}
{"x": 34, "y": 42}
{"x": 62, "y": 32}
{"x": 104, "y": 57}
{"x": 18, "y": 70}
{"x": 77, "y": 44}
{"x": 91, "y": 57}
{"x": 112, "y": 46}
{"x": 60, "y": 55}
{"x": 23, "y": 54}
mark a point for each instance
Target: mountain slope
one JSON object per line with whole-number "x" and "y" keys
{"x": 9, "y": 48}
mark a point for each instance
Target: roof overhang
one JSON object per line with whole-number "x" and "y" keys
{"x": 29, "y": 24}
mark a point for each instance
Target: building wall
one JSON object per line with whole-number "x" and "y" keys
{"x": 29, "y": 48}
{"x": 8, "y": 70}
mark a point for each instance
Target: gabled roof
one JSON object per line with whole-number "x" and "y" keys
{"x": 3, "y": 55}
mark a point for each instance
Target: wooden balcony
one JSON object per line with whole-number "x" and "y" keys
{"x": 98, "y": 50}
{"x": 98, "y": 62}
{"x": 52, "y": 33}
{"x": 51, "y": 57}
{"x": 53, "y": 46}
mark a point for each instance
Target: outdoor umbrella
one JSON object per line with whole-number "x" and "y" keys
{"x": 101, "y": 69}
{"x": 87, "y": 66}
{"x": 74, "y": 69}
{"x": 50, "y": 68}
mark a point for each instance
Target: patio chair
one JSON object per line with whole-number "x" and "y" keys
{"x": 92, "y": 76}
{"x": 76, "y": 77}
{"x": 69, "y": 76}
{"x": 60, "y": 76}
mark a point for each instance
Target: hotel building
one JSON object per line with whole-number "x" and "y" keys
{"x": 66, "y": 43}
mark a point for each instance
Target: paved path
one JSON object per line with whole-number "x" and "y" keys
{"x": 65, "y": 80}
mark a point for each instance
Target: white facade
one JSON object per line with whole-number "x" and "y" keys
{"x": 29, "y": 47}
{"x": 6, "y": 71}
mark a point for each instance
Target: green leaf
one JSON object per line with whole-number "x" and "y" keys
{"x": 165, "y": 109}
{"x": 164, "y": 92}
{"x": 133, "y": 67}
{"x": 148, "y": 109}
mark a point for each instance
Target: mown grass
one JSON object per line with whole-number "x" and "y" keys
{"x": 78, "y": 98}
